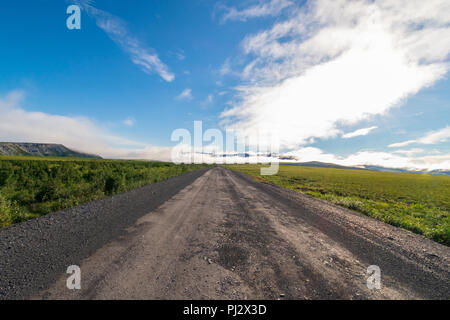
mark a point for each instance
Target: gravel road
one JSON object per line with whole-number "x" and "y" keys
{"x": 217, "y": 234}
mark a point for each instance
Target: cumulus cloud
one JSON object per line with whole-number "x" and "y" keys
{"x": 359, "y": 132}
{"x": 117, "y": 30}
{"x": 186, "y": 94}
{"x": 338, "y": 62}
{"x": 261, "y": 9}
{"x": 432, "y": 137}
{"x": 78, "y": 133}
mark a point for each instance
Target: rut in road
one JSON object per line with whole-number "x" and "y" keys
{"x": 228, "y": 237}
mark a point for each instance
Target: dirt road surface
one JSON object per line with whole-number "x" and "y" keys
{"x": 222, "y": 235}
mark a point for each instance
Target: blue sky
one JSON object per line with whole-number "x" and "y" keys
{"x": 364, "y": 92}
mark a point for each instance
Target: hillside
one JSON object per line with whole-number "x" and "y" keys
{"x": 320, "y": 164}
{"x": 40, "y": 150}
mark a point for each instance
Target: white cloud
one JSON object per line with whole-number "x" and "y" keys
{"x": 225, "y": 68}
{"x": 185, "y": 95}
{"x": 339, "y": 62}
{"x": 402, "y": 144}
{"x": 263, "y": 8}
{"x": 432, "y": 137}
{"x": 409, "y": 152}
{"x": 129, "y": 122}
{"x": 359, "y": 132}
{"x": 116, "y": 29}
{"x": 78, "y": 133}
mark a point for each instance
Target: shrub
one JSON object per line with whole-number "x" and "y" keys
{"x": 9, "y": 212}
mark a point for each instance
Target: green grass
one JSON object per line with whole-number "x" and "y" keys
{"x": 34, "y": 186}
{"x": 416, "y": 202}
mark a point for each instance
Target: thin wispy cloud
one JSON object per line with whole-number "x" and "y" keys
{"x": 129, "y": 122}
{"x": 186, "y": 94}
{"x": 261, "y": 9}
{"x": 178, "y": 54}
{"x": 209, "y": 99}
{"x": 409, "y": 152}
{"x": 225, "y": 68}
{"x": 432, "y": 137}
{"x": 359, "y": 132}
{"x": 116, "y": 29}
{"x": 402, "y": 144}
{"x": 338, "y": 62}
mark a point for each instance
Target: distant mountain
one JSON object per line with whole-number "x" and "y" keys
{"x": 438, "y": 172}
{"x": 367, "y": 167}
{"x": 321, "y": 164}
{"x": 40, "y": 150}
{"x": 385, "y": 169}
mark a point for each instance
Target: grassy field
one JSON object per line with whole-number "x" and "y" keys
{"x": 417, "y": 202}
{"x": 34, "y": 186}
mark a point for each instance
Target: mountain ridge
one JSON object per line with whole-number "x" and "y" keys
{"x": 41, "y": 150}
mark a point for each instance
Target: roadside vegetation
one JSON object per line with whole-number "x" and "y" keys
{"x": 34, "y": 186}
{"x": 416, "y": 202}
